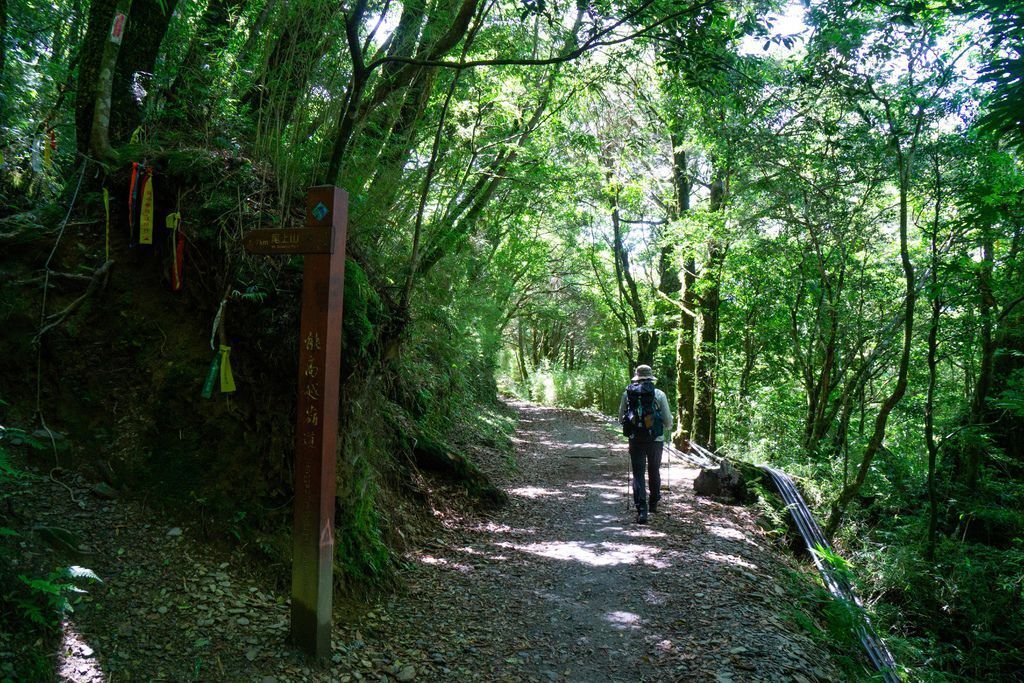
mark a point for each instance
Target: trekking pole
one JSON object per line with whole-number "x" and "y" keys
{"x": 668, "y": 471}
{"x": 629, "y": 481}
{"x": 664, "y": 464}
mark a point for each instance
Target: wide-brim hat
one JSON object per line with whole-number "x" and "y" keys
{"x": 643, "y": 373}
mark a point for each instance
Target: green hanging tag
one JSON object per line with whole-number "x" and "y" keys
{"x": 211, "y": 377}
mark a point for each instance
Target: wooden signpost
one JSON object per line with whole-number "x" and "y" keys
{"x": 322, "y": 243}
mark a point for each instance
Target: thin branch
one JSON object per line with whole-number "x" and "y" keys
{"x": 1009, "y": 307}
{"x": 682, "y": 307}
{"x": 644, "y": 221}
{"x": 593, "y": 43}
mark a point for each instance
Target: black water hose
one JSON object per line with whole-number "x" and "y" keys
{"x": 813, "y": 537}
{"x": 837, "y": 584}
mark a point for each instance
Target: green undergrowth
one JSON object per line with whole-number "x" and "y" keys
{"x": 593, "y": 387}
{"x": 40, "y": 583}
{"x": 961, "y": 612}
{"x": 363, "y": 557}
{"x": 383, "y": 498}
{"x": 773, "y": 516}
{"x": 833, "y": 624}
{"x": 494, "y": 428}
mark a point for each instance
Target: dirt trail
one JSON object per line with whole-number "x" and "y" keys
{"x": 562, "y": 585}
{"x": 558, "y": 585}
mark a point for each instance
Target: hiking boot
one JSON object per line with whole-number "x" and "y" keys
{"x": 641, "y": 516}
{"x": 654, "y": 506}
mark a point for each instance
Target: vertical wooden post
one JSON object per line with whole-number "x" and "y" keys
{"x": 322, "y": 242}
{"x": 323, "y": 286}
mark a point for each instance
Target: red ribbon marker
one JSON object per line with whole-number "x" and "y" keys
{"x": 131, "y": 199}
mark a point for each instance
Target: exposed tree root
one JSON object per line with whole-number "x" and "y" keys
{"x": 98, "y": 281}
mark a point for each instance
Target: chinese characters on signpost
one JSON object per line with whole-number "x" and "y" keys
{"x": 322, "y": 243}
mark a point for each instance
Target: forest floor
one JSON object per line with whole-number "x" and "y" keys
{"x": 558, "y": 585}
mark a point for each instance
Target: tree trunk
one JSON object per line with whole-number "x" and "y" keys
{"x": 460, "y": 217}
{"x": 970, "y": 468}
{"x": 99, "y": 131}
{"x": 704, "y": 408}
{"x": 684, "y": 337}
{"x": 706, "y": 373}
{"x": 534, "y": 347}
{"x": 136, "y": 62}
{"x": 101, "y": 13}
{"x": 750, "y": 354}
{"x": 256, "y": 30}
{"x": 818, "y": 408}
{"x": 646, "y": 340}
{"x": 108, "y": 103}
{"x": 297, "y": 50}
{"x": 524, "y": 374}
{"x": 377, "y": 124}
{"x": 933, "y": 362}
{"x": 685, "y": 361}
{"x": 821, "y": 405}
{"x": 388, "y": 166}
{"x": 359, "y": 108}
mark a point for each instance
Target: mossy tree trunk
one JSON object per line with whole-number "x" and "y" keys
{"x": 358, "y": 108}
{"x": 143, "y": 37}
{"x": 709, "y": 303}
{"x": 109, "y": 95}
{"x": 101, "y": 12}
{"x": 99, "y": 130}
{"x": 685, "y": 340}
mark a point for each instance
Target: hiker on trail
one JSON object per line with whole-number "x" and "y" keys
{"x": 645, "y": 417}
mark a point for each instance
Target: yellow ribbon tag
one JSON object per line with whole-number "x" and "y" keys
{"x": 227, "y": 380}
{"x": 146, "y": 217}
{"x": 106, "y": 206}
{"x": 47, "y": 160}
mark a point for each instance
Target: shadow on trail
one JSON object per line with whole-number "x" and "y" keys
{"x": 562, "y": 585}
